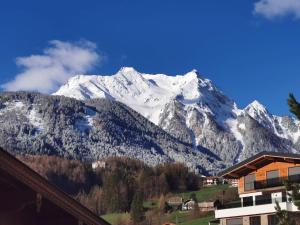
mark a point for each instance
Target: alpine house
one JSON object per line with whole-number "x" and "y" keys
{"x": 261, "y": 185}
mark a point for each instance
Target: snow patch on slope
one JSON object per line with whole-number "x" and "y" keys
{"x": 288, "y": 131}
{"x": 16, "y": 105}
{"x": 22, "y": 110}
{"x": 234, "y": 127}
{"x": 36, "y": 120}
{"x": 86, "y": 123}
{"x": 284, "y": 127}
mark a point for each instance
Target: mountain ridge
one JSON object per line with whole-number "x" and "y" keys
{"x": 193, "y": 109}
{"x": 37, "y": 124}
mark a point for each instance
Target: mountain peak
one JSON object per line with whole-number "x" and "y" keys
{"x": 126, "y": 69}
{"x": 192, "y": 74}
{"x": 256, "y": 109}
{"x": 257, "y": 106}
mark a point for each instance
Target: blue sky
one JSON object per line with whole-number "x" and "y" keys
{"x": 249, "y": 49}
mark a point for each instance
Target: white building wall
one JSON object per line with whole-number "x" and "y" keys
{"x": 254, "y": 210}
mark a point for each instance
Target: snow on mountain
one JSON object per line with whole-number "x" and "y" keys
{"x": 31, "y": 115}
{"x": 192, "y": 109}
{"x": 33, "y": 123}
{"x": 86, "y": 123}
{"x": 284, "y": 127}
{"x": 148, "y": 94}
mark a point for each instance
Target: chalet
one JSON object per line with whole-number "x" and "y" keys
{"x": 260, "y": 185}
{"x": 203, "y": 206}
{"x": 209, "y": 181}
{"x": 175, "y": 201}
{"x": 26, "y": 198}
{"x": 99, "y": 164}
{"x": 206, "y": 206}
{"x": 188, "y": 205}
{"x": 233, "y": 182}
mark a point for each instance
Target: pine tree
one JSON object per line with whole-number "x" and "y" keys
{"x": 295, "y": 109}
{"x": 294, "y": 106}
{"x": 137, "y": 211}
{"x": 293, "y": 190}
{"x": 162, "y": 204}
{"x": 193, "y": 196}
{"x": 111, "y": 192}
{"x": 283, "y": 216}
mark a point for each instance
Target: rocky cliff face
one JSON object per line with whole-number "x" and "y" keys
{"x": 194, "y": 111}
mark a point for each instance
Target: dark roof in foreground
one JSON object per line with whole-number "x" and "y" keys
{"x": 36, "y": 182}
{"x": 258, "y": 160}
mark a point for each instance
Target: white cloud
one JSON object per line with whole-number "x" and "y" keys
{"x": 277, "y": 8}
{"x": 58, "y": 62}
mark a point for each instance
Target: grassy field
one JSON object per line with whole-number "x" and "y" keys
{"x": 150, "y": 204}
{"x": 206, "y": 193}
{"x": 182, "y": 218}
{"x": 199, "y": 221}
{"x": 114, "y": 217}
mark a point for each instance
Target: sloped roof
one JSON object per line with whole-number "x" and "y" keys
{"x": 257, "y": 161}
{"x": 33, "y": 180}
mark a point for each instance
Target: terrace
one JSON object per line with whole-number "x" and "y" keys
{"x": 271, "y": 183}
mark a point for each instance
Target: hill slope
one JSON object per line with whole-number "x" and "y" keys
{"x": 55, "y": 125}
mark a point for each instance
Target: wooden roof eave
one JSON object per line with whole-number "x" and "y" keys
{"x": 250, "y": 165}
{"x": 36, "y": 182}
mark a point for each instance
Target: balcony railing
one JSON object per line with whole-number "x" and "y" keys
{"x": 269, "y": 183}
{"x": 260, "y": 200}
{"x": 230, "y": 205}
{"x": 254, "y": 210}
{"x": 263, "y": 199}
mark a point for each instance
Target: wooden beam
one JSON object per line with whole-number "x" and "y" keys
{"x": 39, "y": 199}
{"x": 289, "y": 160}
{"x": 270, "y": 158}
{"x": 251, "y": 167}
{"x": 234, "y": 175}
{"x": 9, "y": 182}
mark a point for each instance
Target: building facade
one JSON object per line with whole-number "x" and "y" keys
{"x": 209, "y": 181}
{"x": 260, "y": 185}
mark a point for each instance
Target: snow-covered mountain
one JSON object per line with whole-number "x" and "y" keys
{"x": 193, "y": 110}
{"x": 32, "y": 123}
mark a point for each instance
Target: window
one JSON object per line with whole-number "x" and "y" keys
{"x": 273, "y": 178}
{"x": 272, "y": 220}
{"x": 294, "y": 173}
{"x": 249, "y": 182}
{"x": 247, "y": 201}
{"x": 255, "y": 220}
{"x": 266, "y": 198}
{"x": 235, "y": 221}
